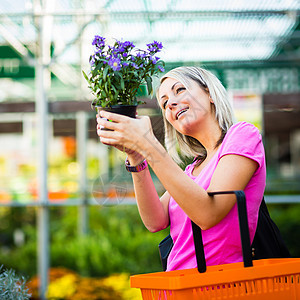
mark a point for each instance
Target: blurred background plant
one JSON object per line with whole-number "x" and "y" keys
{"x": 67, "y": 284}
{"x": 98, "y": 263}
{"x": 12, "y": 286}
{"x": 117, "y": 246}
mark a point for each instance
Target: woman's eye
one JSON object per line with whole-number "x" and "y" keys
{"x": 178, "y": 90}
{"x": 165, "y": 104}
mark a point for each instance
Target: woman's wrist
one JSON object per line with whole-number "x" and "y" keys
{"x": 137, "y": 168}
{"x": 146, "y": 150}
{"x": 134, "y": 158}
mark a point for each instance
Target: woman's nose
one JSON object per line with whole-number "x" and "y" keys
{"x": 172, "y": 102}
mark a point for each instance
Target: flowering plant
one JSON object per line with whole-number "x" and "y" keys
{"x": 118, "y": 71}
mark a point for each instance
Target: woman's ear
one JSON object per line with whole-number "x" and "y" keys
{"x": 209, "y": 96}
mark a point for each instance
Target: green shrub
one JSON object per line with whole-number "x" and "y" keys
{"x": 288, "y": 221}
{"x": 117, "y": 240}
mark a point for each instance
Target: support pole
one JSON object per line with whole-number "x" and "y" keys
{"x": 43, "y": 211}
{"x": 81, "y": 141}
{"x": 43, "y": 82}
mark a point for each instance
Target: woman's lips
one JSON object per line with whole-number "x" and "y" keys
{"x": 179, "y": 113}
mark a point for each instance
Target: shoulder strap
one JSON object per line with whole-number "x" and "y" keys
{"x": 199, "y": 249}
{"x": 244, "y": 232}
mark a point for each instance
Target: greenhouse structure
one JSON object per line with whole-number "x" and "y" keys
{"x": 50, "y": 154}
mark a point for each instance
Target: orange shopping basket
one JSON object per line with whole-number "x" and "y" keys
{"x": 277, "y": 278}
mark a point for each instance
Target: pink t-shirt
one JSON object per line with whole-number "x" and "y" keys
{"x": 222, "y": 242}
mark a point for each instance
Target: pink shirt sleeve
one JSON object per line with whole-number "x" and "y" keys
{"x": 244, "y": 139}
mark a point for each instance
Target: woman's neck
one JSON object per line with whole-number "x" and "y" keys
{"x": 209, "y": 136}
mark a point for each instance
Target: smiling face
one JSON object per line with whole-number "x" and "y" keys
{"x": 185, "y": 109}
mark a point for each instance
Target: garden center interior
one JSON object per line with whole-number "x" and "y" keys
{"x": 50, "y": 154}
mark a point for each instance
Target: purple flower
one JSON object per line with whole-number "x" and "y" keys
{"x": 114, "y": 52}
{"x": 154, "y": 59}
{"x": 154, "y": 47}
{"x": 124, "y": 46}
{"x": 141, "y": 55}
{"x": 98, "y": 41}
{"x": 158, "y": 45}
{"x": 160, "y": 68}
{"x": 99, "y": 53}
{"x": 115, "y": 63}
{"x": 92, "y": 60}
{"x": 128, "y": 44}
{"x": 135, "y": 66}
{"x": 121, "y": 49}
{"x": 144, "y": 55}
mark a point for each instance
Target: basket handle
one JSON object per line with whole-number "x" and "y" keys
{"x": 244, "y": 232}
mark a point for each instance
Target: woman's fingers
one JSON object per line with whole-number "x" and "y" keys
{"x": 106, "y": 123}
{"x": 106, "y": 138}
{"x": 128, "y": 133}
{"x": 112, "y": 116}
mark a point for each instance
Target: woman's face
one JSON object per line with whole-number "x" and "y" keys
{"x": 184, "y": 109}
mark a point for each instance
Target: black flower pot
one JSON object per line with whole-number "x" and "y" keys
{"x": 125, "y": 110}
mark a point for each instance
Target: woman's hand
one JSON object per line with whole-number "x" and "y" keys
{"x": 126, "y": 134}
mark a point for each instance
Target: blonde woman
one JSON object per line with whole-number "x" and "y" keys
{"x": 199, "y": 123}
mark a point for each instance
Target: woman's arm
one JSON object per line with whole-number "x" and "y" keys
{"x": 153, "y": 211}
{"x": 232, "y": 172}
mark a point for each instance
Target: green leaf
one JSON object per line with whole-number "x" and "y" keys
{"x": 105, "y": 73}
{"x": 115, "y": 91}
{"x": 122, "y": 84}
{"x": 95, "y": 71}
{"x": 103, "y": 95}
{"x": 149, "y": 84}
{"x": 106, "y": 87}
{"x": 86, "y": 77}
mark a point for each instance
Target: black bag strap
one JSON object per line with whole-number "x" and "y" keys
{"x": 199, "y": 249}
{"x": 244, "y": 232}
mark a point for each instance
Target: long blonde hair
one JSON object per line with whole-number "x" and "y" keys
{"x": 188, "y": 146}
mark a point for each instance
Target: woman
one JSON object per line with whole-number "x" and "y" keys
{"x": 199, "y": 121}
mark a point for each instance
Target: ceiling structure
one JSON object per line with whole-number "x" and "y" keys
{"x": 190, "y": 30}
{"x": 215, "y": 32}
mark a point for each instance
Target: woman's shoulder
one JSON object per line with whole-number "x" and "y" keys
{"x": 243, "y": 138}
{"x": 244, "y": 126}
{"x": 243, "y": 130}
{"x": 242, "y": 135}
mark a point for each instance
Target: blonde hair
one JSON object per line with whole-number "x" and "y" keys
{"x": 189, "y": 146}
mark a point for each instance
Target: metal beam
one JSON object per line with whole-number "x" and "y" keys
{"x": 16, "y": 44}
{"x": 159, "y": 14}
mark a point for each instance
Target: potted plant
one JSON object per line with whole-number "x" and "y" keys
{"x": 118, "y": 71}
